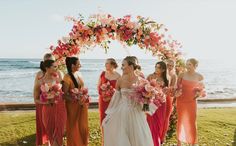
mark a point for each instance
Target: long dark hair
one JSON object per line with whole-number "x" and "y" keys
{"x": 69, "y": 62}
{"x": 47, "y": 56}
{"x": 43, "y": 69}
{"x": 46, "y": 64}
{"x": 164, "y": 74}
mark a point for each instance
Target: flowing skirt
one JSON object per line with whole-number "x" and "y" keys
{"x": 126, "y": 124}
{"x": 156, "y": 123}
{"x": 54, "y": 119}
{"x": 77, "y": 124}
{"x": 186, "y": 123}
{"x": 41, "y": 136}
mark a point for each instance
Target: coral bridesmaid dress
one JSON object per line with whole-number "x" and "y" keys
{"x": 187, "y": 113}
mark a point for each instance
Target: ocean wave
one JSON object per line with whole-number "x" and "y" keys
{"x": 16, "y": 74}
{"x": 89, "y": 70}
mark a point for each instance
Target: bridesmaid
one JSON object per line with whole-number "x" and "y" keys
{"x": 157, "y": 120}
{"x": 41, "y": 137}
{"x": 53, "y": 114}
{"x": 179, "y": 67}
{"x": 77, "y": 110}
{"x": 187, "y": 104}
{"x": 110, "y": 75}
{"x": 171, "y": 73}
{"x": 172, "y": 77}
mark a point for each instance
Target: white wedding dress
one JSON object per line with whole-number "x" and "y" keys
{"x": 125, "y": 123}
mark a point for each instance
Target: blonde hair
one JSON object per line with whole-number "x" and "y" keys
{"x": 193, "y": 61}
{"x": 180, "y": 63}
{"x": 170, "y": 62}
{"x": 48, "y": 56}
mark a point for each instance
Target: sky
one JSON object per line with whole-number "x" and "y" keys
{"x": 206, "y": 28}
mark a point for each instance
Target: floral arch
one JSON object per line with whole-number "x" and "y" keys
{"x": 100, "y": 29}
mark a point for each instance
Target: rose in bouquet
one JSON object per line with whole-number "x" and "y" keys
{"x": 51, "y": 92}
{"x": 107, "y": 91}
{"x": 147, "y": 92}
{"x": 81, "y": 95}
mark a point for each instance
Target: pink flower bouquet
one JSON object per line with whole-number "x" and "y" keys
{"x": 147, "y": 92}
{"x": 107, "y": 91}
{"x": 51, "y": 92}
{"x": 81, "y": 95}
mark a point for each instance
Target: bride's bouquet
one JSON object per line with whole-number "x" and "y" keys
{"x": 80, "y": 95}
{"x": 147, "y": 92}
{"x": 107, "y": 91}
{"x": 51, "y": 93}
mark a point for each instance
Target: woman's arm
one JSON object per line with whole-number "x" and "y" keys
{"x": 173, "y": 81}
{"x": 36, "y": 92}
{"x": 98, "y": 85}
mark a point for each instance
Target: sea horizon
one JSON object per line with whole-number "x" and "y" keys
{"x": 17, "y": 76}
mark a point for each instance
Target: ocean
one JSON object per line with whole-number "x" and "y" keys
{"x": 17, "y": 77}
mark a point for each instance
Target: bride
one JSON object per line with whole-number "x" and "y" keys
{"x": 125, "y": 123}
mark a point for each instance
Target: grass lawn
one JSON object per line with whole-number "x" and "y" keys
{"x": 215, "y": 127}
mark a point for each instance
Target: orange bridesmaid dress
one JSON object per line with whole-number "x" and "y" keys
{"x": 187, "y": 113}
{"x": 77, "y": 120}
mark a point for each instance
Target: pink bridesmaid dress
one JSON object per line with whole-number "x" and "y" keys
{"x": 169, "y": 109}
{"x": 54, "y": 120}
{"x": 156, "y": 123}
{"x": 41, "y": 137}
{"x": 187, "y": 113}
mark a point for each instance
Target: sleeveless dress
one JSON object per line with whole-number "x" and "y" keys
{"x": 54, "y": 119}
{"x": 104, "y": 104}
{"x": 41, "y": 136}
{"x": 77, "y": 120}
{"x": 187, "y": 113}
{"x": 157, "y": 123}
{"x": 125, "y": 123}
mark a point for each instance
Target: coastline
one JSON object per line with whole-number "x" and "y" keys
{"x": 202, "y": 103}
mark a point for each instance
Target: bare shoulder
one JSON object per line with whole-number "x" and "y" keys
{"x": 200, "y": 76}
{"x": 39, "y": 74}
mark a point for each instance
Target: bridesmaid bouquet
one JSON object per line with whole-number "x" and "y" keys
{"x": 107, "y": 91}
{"x": 147, "y": 92}
{"x": 51, "y": 92}
{"x": 81, "y": 95}
{"x": 199, "y": 90}
{"x": 178, "y": 91}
